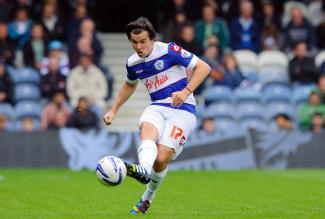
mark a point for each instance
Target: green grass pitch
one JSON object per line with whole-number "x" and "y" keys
{"x": 60, "y": 193}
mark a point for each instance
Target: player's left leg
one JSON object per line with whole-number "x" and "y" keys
{"x": 158, "y": 173}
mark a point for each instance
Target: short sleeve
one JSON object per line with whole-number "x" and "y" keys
{"x": 181, "y": 56}
{"x": 131, "y": 77}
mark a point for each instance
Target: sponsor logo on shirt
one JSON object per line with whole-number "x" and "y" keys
{"x": 156, "y": 82}
{"x": 139, "y": 71}
{"x": 159, "y": 65}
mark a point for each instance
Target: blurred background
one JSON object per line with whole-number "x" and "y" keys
{"x": 262, "y": 106}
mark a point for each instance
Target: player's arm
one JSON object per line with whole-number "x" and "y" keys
{"x": 126, "y": 91}
{"x": 200, "y": 70}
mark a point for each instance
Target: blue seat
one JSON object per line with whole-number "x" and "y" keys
{"x": 7, "y": 110}
{"x": 247, "y": 94}
{"x": 200, "y": 110}
{"x": 27, "y": 92}
{"x": 225, "y": 124}
{"x": 254, "y": 123}
{"x": 277, "y": 92}
{"x": 19, "y": 125}
{"x": 301, "y": 93}
{"x": 218, "y": 93}
{"x": 10, "y": 125}
{"x": 246, "y": 110}
{"x": 273, "y": 74}
{"x": 26, "y": 75}
{"x": 28, "y": 108}
{"x": 221, "y": 110}
{"x": 276, "y": 108}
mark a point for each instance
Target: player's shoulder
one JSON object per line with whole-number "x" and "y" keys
{"x": 134, "y": 59}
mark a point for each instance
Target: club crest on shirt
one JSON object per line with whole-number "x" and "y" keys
{"x": 159, "y": 64}
{"x": 185, "y": 54}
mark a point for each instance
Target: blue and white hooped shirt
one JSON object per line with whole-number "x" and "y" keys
{"x": 163, "y": 73}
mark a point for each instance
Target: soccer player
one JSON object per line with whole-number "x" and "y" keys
{"x": 166, "y": 124}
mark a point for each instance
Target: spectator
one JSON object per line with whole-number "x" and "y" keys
{"x": 317, "y": 123}
{"x": 52, "y": 23}
{"x": 321, "y": 88}
{"x": 83, "y": 47}
{"x": 54, "y": 81}
{"x": 18, "y": 4}
{"x": 35, "y": 49}
{"x": 269, "y": 17}
{"x": 283, "y": 122}
{"x": 87, "y": 30}
{"x": 207, "y": 127}
{"x": 56, "y": 49}
{"x": 5, "y": 10}
{"x": 6, "y": 84}
{"x": 82, "y": 117}
{"x": 302, "y": 68}
{"x": 28, "y": 124}
{"x": 55, "y": 115}
{"x": 187, "y": 40}
{"x": 270, "y": 38}
{"x": 320, "y": 33}
{"x": 231, "y": 75}
{"x": 3, "y": 123}
{"x": 210, "y": 25}
{"x": 19, "y": 29}
{"x": 244, "y": 31}
{"x": 308, "y": 109}
{"x": 7, "y": 47}
{"x": 174, "y": 27}
{"x": 73, "y": 26}
{"x": 96, "y": 87}
{"x": 299, "y": 30}
{"x": 210, "y": 56}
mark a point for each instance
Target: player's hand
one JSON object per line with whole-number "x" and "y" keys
{"x": 108, "y": 117}
{"x": 179, "y": 97}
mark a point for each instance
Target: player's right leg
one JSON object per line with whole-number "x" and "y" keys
{"x": 151, "y": 125}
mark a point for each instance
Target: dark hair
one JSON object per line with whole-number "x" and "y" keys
{"x": 317, "y": 114}
{"x": 283, "y": 115}
{"x": 140, "y": 25}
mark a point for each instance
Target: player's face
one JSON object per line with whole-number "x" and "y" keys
{"x": 142, "y": 44}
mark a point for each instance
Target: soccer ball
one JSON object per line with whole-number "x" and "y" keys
{"x": 110, "y": 171}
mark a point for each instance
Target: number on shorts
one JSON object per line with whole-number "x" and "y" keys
{"x": 176, "y": 132}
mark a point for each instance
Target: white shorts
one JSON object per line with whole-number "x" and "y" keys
{"x": 173, "y": 125}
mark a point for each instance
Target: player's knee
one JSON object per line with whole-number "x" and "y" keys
{"x": 162, "y": 159}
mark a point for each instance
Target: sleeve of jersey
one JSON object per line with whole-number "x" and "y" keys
{"x": 131, "y": 76}
{"x": 182, "y": 57}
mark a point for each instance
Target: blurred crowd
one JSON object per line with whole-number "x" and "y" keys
{"x": 227, "y": 31}
{"x": 270, "y": 51}
{"x": 51, "y": 65}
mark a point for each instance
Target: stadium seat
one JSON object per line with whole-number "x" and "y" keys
{"x": 28, "y": 108}
{"x": 26, "y": 92}
{"x": 7, "y": 110}
{"x": 225, "y": 124}
{"x": 25, "y": 75}
{"x": 218, "y": 93}
{"x": 249, "y": 72}
{"x": 272, "y": 58}
{"x": 319, "y": 59}
{"x": 247, "y": 110}
{"x": 246, "y": 59}
{"x": 273, "y": 74}
{"x": 221, "y": 110}
{"x": 277, "y": 92}
{"x": 276, "y": 108}
{"x": 301, "y": 93}
{"x": 10, "y": 125}
{"x": 200, "y": 110}
{"x": 247, "y": 94}
{"x": 19, "y": 125}
{"x": 253, "y": 123}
